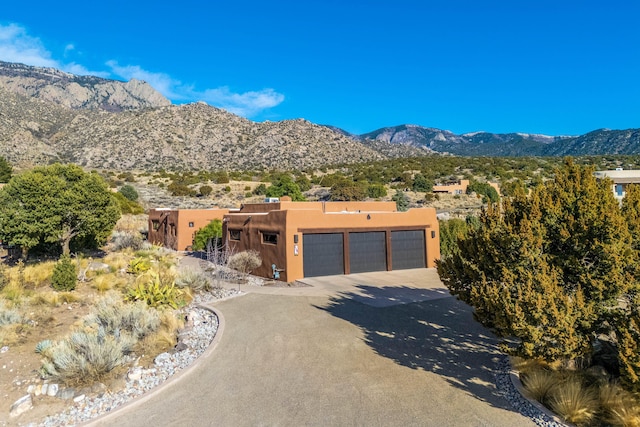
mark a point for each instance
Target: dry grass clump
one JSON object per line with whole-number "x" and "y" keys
{"x": 39, "y": 274}
{"x": 574, "y": 402}
{"x": 619, "y": 407}
{"x": 48, "y": 298}
{"x": 164, "y": 338}
{"x": 577, "y": 398}
{"x": 538, "y": 383}
{"x": 15, "y": 293}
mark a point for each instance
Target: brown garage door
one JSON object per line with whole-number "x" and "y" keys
{"x": 408, "y": 249}
{"x": 367, "y": 252}
{"x": 323, "y": 254}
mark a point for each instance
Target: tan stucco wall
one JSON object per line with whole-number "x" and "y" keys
{"x": 459, "y": 188}
{"x": 181, "y": 218}
{"x": 295, "y": 221}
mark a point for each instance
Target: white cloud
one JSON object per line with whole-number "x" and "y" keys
{"x": 16, "y": 45}
{"x": 245, "y": 104}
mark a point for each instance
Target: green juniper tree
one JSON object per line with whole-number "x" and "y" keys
{"x": 556, "y": 270}
{"x": 57, "y": 205}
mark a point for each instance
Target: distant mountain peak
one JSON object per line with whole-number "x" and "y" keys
{"x": 78, "y": 92}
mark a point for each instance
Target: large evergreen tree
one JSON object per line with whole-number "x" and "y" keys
{"x": 57, "y": 205}
{"x": 555, "y": 269}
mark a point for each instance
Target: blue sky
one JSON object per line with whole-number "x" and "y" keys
{"x": 552, "y": 67}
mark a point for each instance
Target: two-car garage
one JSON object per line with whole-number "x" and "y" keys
{"x": 353, "y": 251}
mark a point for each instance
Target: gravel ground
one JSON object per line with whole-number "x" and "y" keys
{"x": 520, "y": 403}
{"x": 194, "y": 341}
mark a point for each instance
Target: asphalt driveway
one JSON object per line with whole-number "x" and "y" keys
{"x": 355, "y": 357}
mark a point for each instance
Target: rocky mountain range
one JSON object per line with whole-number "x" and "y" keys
{"x": 602, "y": 141}
{"x": 47, "y": 115}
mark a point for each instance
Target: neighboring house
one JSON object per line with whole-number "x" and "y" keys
{"x": 176, "y": 228}
{"x": 459, "y": 187}
{"x": 303, "y": 239}
{"x": 455, "y": 187}
{"x": 620, "y": 180}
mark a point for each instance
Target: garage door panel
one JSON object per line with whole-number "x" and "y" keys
{"x": 323, "y": 254}
{"x": 367, "y": 252}
{"x": 408, "y": 249}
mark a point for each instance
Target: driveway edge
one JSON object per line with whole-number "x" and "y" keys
{"x": 173, "y": 379}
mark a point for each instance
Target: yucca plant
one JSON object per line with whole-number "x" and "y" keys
{"x": 139, "y": 265}
{"x": 152, "y": 291}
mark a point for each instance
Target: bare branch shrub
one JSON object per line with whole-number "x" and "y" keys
{"x": 245, "y": 262}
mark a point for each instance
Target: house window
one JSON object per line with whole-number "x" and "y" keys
{"x": 190, "y": 224}
{"x": 155, "y": 224}
{"x": 234, "y": 235}
{"x": 619, "y": 190}
{"x": 270, "y": 238}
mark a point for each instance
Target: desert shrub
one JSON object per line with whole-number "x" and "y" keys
{"x": 227, "y": 189}
{"x": 180, "y": 190}
{"x": 205, "y": 190}
{"x": 248, "y": 194}
{"x": 113, "y": 315}
{"x": 64, "y": 275}
{"x": 127, "y": 206}
{"x": 126, "y": 240}
{"x": 375, "y": 191}
{"x": 108, "y": 334}
{"x": 196, "y": 280}
{"x": 129, "y": 192}
{"x": 260, "y": 190}
{"x": 151, "y": 290}
{"x": 9, "y": 316}
{"x": 572, "y": 401}
{"x": 402, "y": 201}
{"x": 245, "y": 262}
{"x": 86, "y": 357}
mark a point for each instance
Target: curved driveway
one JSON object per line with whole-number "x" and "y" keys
{"x": 349, "y": 351}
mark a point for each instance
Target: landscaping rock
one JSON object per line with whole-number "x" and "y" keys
{"x": 162, "y": 358}
{"x": 52, "y": 390}
{"x": 66, "y": 393}
{"x": 21, "y": 406}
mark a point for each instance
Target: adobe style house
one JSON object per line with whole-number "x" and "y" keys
{"x": 458, "y": 187}
{"x": 176, "y": 228}
{"x": 304, "y": 239}
{"x": 620, "y": 179}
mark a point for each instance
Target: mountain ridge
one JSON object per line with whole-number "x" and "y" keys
{"x": 48, "y": 115}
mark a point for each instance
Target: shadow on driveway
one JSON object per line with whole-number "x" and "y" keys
{"x": 437, "y": 334}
